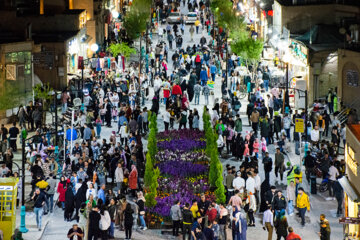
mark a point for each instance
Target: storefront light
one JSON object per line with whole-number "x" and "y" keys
{"x": 114, "y": 14}
{"x": 73, "y": 47}
{"x": 94, "y": 47}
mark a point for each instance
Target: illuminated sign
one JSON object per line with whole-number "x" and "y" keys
{"x": 350, "y": 160}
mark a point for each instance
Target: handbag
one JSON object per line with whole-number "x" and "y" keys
{"x": 246, "y": 207}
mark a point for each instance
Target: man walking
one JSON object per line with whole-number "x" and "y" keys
{"x": 325, "y": 230}
{"x": 51, "y": 191}
{"x": 175, "y": 214}
{"x": 267, "y": 161}
{"x": 303, "y": 203}
{"x": 268, "y": 222}
{"x": 13, "y": 133}
{"x": 39, "y": 201}
{"x": 188, "y": 220}
{"x": 192, "y": 30}
{"x": 170, "y": 38}
{"x": 197, "y": 91}
{"x": 279, "y": 164}
{"x": 119, "y": 177}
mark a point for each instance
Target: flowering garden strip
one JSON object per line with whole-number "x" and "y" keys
{"x": 181, "y": 134}
{"x": 182, "y": 145}
{"x": 183, "y": 169}
{"x": 194, "y": 157}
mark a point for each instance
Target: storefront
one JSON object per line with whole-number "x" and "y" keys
{"x": 350, "y": 183}
{"x": 77, "y": 47}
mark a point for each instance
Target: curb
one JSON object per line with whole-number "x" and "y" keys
{"x": 42, "y": 232}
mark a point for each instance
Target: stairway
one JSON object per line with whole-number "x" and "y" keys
{"x": 344, "y": 114}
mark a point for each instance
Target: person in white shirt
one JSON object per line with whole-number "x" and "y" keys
{"x": 315, "y": 134}
{"x": 167, "y": 117}
{"x": 333, "y": 174}
{"x": 119, "y": 176}
{"x": 268, "y": 221}
{"x": 239, "y": 183}
{"x": 257, "y": 185}
{"x": 91, "y": 191}
{"x": 250, "y": 184}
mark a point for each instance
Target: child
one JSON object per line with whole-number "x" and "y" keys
{"x": 263, "y": 147}
{"x": 216, "y": 229}
{"x": 114, "y": 113}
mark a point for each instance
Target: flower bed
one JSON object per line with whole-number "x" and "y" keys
{"x": 183, "y": 170}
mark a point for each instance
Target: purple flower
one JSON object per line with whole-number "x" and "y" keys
{"x": 182, "y": 168}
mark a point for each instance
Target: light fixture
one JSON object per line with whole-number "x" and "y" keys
{"x": 94, "y": 47}
{"x": 114, "y": 14}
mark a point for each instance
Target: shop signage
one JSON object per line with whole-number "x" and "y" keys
{"x": 299, "y": 125}
{"x": 350, "y": 160}
{"x": 349, "y": 220}
{"x": 300, "y": 51}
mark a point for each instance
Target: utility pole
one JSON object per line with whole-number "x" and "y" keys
{"x": 56, "y": 122}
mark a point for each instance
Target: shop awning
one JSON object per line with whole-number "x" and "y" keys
{"x": 350, "y": 191}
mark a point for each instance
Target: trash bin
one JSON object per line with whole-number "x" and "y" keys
{"x": 313, "y": 189}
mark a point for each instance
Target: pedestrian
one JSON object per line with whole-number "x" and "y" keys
{"x": 61, "y": 189}
{"x": 128, "y": 221}
{"x": 292, "y": 235}
{"x": 51, "y": 191}
{"x": 175, "y": 214}
{"x": 39, "y": 199}
{"x": 208, "y": 233}
{"x": 303, "y": 204}
{"x": 188, "y": 220}
{"x": 119, "y": 176}
{"x": 251, "y": 202}
{"x": 268, "y": 223}
{"x": 191, "y": 31}
{"x": 13, "y": 133}
{"x": 290, "y": 194}
{"x": 105, "y": 222}
{"x": 339, "y": 195}
{"x": 281, "y": 225}
{"x": 170, "y": 39}
{"x": 133, "y": 179}
{"x": 75, "y": 233}
{"x": 94, "y": 224}
{"x": 279, "y": 203}
{"x": 279, "y": 164}
{"x": 325, "y": 230}
{"x": 69, "y": 203}
{"x": 141, "y": 204}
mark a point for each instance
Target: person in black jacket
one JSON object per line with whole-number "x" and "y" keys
{"x": 128, "y": 220}
{"x": 94, "y": 219}
{"x": 80, "y": 198}
{"x": 69, "y": 203}
{"x": 188, "y": 220}
{"x": 267, "y": 161}
{"x": 269, "y": 195}
{"x": 39, "y": 199}
{"x": 278, "y": 203}
{"x": 309, "y": 165}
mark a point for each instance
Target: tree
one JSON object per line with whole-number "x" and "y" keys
{"x": 11, "y": 96}
{"x": 122, "y": 49}
{"x": 215, "y": 171}
{"x": 136, "y": 19}
{"x": 249, "y": 49}
{"x": 152, "y": 173}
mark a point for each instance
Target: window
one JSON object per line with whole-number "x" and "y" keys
{"x": 352, "y": 78}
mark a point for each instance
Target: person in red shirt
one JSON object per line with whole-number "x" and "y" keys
{"x": 211, "y": 213}
{"x": 176, "y": 90}
{"x": 292, "y": 235}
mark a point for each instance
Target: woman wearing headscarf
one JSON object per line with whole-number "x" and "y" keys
{"x": 80, "y": 198}
{"x": 133, "y": 179}
{"x": 239, "y": 226}
{"x": 141, "y": 204}
{"x": 281, "y": 225}
{"x": 128, "y": 220}
{"x": 264, "y": 187}
{"x": 69, "y": 203}
{"x": 61, "y": 189}
{"x": 251, "y": 200}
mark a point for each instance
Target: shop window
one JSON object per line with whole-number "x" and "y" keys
{"x": 352, "y": 78}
